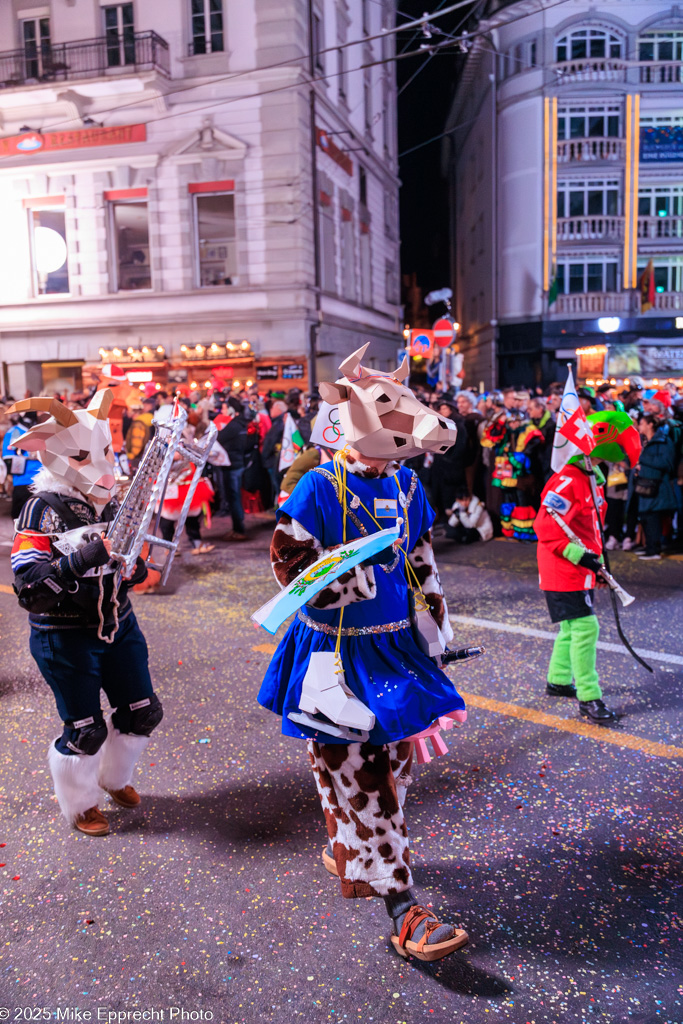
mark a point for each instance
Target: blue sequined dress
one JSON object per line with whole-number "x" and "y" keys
{"x": 383, "y": 665}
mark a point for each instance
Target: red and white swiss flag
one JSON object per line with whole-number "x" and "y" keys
{"x": 578, "y": 430}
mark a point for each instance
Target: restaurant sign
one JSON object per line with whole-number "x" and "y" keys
{"x": 51, "y": 142}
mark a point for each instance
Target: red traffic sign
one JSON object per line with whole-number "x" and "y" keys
{"x": 444, "y": 332}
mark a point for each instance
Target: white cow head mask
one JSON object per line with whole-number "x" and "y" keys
{"x": 381, "y": 417}
{"x": 74, "y": 444}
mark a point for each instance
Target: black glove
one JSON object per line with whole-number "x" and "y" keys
{"x": 591, "y": 561}
{"x": 89, "y": 556}
{"x": 383, "y": 557}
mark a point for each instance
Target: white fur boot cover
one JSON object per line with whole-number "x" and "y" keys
{"x": 120, "y": 754}
{"x": 75, "y": 781}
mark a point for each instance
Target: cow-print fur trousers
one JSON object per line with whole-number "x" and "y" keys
{"x": 362, "y": 789}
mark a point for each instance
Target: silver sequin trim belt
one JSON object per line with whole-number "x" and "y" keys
{"x": 323, "y": 627}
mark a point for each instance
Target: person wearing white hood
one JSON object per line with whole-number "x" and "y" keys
{"x": 84, "y": 635}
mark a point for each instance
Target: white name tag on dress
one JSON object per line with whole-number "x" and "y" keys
{"x": 386, "y": 507}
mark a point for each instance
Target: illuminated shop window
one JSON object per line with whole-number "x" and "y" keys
{"x": 49, "y": 253}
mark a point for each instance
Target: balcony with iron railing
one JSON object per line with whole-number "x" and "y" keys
{"x": 660, "y": 229}
{"x": 590, "y": 150}
{"x": 87, "y": 58}
{"x": 589, "y": 229}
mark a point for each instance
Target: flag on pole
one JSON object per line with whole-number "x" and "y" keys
{"x": 578, "y": 430}
{"x": 646, "y": 287}
{"x": 573, "y": 434}
{"x": 292, "y": 443}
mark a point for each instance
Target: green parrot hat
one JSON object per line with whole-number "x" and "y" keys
{"x": 616, "y": 436}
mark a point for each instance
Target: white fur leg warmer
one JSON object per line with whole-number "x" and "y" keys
{"x": 120, "y": 754}
{"x": 75, "y": 781}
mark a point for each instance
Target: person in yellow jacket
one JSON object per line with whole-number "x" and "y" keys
{"x": 140, "y": 433}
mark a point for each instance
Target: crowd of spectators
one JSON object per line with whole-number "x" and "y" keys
{"x": 503, "y": 458}
{"x": 488, "y": 484}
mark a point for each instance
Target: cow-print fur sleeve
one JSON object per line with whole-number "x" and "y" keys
{"x": 293, "y": 549}
{"x": 422, "y": 560}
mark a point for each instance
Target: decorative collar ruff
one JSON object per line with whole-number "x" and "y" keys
{"x": 44, "y": 480}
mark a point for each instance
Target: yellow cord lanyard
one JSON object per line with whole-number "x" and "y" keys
{"x": 340, "y": 472}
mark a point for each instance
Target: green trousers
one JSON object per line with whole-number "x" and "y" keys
{"x": 573, "y": 657}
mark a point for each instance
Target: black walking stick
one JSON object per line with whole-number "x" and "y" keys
{"x": 615, "y": 607}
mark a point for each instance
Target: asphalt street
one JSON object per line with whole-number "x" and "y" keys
{"x": 556, "y": 845}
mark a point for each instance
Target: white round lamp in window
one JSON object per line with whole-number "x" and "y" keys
{"x": 50, "y": 250}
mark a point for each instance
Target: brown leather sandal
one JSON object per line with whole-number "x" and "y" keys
{"x": 424, "y": 950}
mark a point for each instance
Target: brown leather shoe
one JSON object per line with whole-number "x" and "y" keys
{"x": 233, "y": 535}
{"x": 92, "y": 822}
{"x": 126, "y": 797}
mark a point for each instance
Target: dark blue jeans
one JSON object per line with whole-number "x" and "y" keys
{"x": 76, "y": 665}
{"x": 233, "y": 484}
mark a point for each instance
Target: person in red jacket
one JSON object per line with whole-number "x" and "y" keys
{"x": 570, "y": 558}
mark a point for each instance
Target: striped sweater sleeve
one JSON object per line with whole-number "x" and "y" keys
{"x": 30, "y": 549}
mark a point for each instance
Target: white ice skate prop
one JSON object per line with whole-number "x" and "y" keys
{"x": 324, "y": 692}
{"x": 428, "y": 636}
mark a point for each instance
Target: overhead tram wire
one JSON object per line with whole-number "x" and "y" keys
{"x": 431, "y": 54}
{"x": 292, "y": 62}
{"x": 443, "y": 46}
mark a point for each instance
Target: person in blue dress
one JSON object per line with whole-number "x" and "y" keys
{"x": 20, "y": 465}
{"x": 364, "y": 616}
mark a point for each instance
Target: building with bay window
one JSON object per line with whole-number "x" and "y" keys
{"x": 194, "y": 188}
{"x": 567, "y": 187}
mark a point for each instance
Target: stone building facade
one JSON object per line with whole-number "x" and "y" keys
{"x": 196, "y": 186}
{"x": 566, "y": 168}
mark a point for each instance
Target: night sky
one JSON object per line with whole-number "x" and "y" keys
{"x": 422, "y": 110}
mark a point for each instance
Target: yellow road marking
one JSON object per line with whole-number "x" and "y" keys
{"x": 4, "y": 589}
{"x": 594, "y": 732}
{"x": 265, "y": 648}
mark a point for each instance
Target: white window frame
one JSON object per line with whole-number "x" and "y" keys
{"x": 106, "y": 5}
{"x": 603, "y": 185}
{"x": 207, "y": 29}
{"x": 35, "y": 16}
{"x": 195, "y": 197}
{"x": 657, "y": 36}
{"x": 30, "y": 210}
{"x": 587, "y": 110}
{"x": 671, "y": 191}
{"x": 590, "y": 32}
{"x": 674, "y": 267}
{"x": 114, "y": 246}
{"x": 585, "y": 260}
